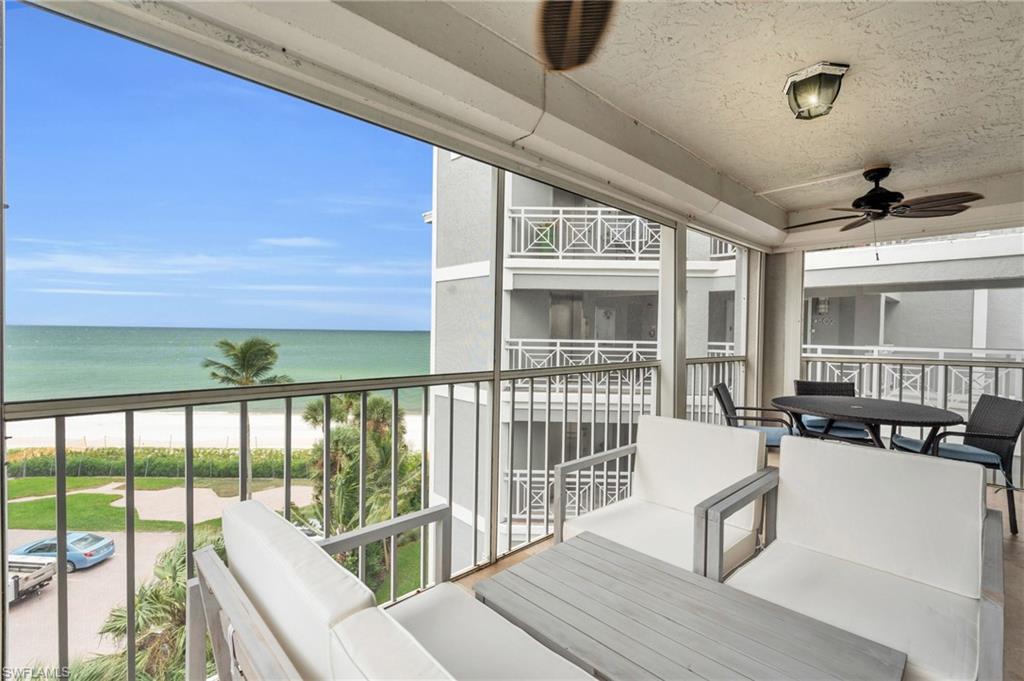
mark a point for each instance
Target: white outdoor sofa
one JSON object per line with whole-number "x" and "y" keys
{"x": 287, "y": 610}
{"x": 897, "y": 548}
{"x": 679, "y": 469}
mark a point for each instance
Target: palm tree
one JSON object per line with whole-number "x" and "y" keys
{"x": 345, "y": 469}
{"x": 248, "y": 363}
{"x": 160, "y": 630}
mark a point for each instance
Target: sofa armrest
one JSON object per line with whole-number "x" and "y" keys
{"x": 441, "y": 514}
{"x": 990, "y": 631}
{"x": 241, "y": 640}
{"x": 700, "y": 519}
{"x": 761, "y": 484}
{"x": 562, "y": 471}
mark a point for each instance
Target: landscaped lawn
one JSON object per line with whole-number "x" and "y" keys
{"x": 86, "y": 511}
{"x": 408, "y": 572}
{"x": 19, "y": 488}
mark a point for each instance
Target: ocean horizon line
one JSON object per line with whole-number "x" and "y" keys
{"x": 206, "y": 328}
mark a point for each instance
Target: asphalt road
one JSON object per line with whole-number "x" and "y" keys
{"x": 92, "y": 593}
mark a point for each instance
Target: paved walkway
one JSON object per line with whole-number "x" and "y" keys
{"x": 94, "y": 592}
{"x": 169, "y": 504}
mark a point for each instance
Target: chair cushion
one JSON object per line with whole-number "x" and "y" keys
{"x": 372, "y": 645}
{"x": 845, "y": 434}
{"x": 819, "y": 422}
{"x": 474, "y": 642}
{"x": 938, "y": 630}
{"x": 911, "y": 444}
{"x": 772, "y": 436}
{"x": 952, "y": 450}
{"x": 661, "y": 532}
{"x": 915, "y": 516}
{"x": 300, "y": 591}
{"x": 681, "y": 463}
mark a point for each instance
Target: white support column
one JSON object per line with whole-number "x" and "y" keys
{"x": 783, "y": 312}
{"x": 979, "y": 330}
{"x": 753, "y": 346}
{"x": 881, "y": 318}
{"x": 672, "y": 321}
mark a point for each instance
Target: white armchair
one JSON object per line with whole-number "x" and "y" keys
{"x": 678, "y": 468}
{"x": 287, "y": 610}
{"x": 897, "y": 548}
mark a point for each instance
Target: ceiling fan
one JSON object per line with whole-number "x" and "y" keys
{"x": 880, "y": 203}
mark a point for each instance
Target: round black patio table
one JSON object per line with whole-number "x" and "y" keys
{"x": 872, "y": 413}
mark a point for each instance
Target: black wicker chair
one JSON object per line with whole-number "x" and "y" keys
{"x": 773, "y": 434}
{"x": 847, "y": 431}
{"x": 989, "y": 439}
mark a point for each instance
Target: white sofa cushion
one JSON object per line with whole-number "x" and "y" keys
{"x": 662, "y": 532}
{"x": 938, "y": 630}
{"x": 474, "y": 642}
{"x": 300, "y": 591}
{"x": 918, "y": 517}
{"x": 371, "y": 645}
{"x": 681, "y": 463}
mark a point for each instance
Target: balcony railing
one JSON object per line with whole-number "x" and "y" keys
{"x": 975, "y": 354}
{"x": 616, "y": 397}
{"x": 721, "y": 249}
{"x": 563, "y": 417}
{"x": 702, "y": 373}
{"x": 535, "y": 353}
{"x": 721, "y": 348}
{"x": 940, "y": 381}
{"x": 581, "y": 233}
{"x": 533, "y": 492}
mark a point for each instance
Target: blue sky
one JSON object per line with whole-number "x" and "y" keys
{"x": 146, "y": 190}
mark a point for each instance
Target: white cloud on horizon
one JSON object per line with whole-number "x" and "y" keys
{"x": 294, "y": 242}
{"x": 102, "y": 292}
{"x": 323, "y": 288}
{"x": 386, "y": 268}
{"x": 372, "y": 310}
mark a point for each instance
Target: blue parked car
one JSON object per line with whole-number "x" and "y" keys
{"x": 85, "y": 549}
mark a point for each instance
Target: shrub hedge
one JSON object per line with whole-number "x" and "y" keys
{"x": 160, "y": 462}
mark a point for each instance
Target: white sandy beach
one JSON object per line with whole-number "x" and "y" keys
{"x": 167, "y": 429}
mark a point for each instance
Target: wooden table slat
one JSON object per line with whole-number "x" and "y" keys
{"x": 625, "y": 615}
{"x": 719, "y": 645}
{"x": 811, "y": 632}
{"x": 581, "y": 650}
{"x": 694, "y": 623}
{"x": 648, "y": 632}
{"x": 587, "y": 624}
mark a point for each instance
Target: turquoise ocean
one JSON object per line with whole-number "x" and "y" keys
{"x": 47, "y": 362}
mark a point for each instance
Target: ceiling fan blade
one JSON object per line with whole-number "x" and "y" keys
{"x": 859, "y": 210}
{"x": 940, "y": 200}
{"x": 818, "y": 222}
{"x": 930, "y": 212}
{"x": 855, "y": 224}
{"x": 569, "y": 31}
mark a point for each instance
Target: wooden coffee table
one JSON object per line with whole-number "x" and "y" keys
{"x": 620, "y": 614}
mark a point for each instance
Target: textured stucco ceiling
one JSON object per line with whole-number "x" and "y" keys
{"x": 935, "y": 89}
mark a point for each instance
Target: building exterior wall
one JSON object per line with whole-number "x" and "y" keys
{"x": 1005, "y": 327}
{"x": 463, "y": 218}
{"x": 463, "y": 310}
{"x": 930, "y": 319}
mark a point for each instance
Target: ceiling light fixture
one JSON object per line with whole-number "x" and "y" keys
{"x": 812, "y": 91}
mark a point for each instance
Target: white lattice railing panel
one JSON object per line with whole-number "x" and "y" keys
{"x": 582, "y": 233}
